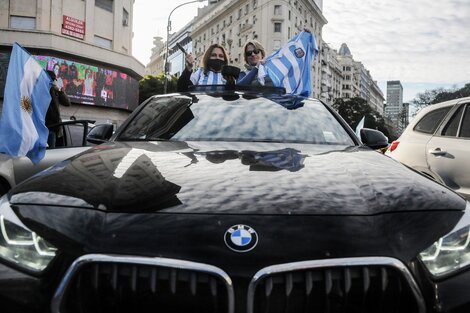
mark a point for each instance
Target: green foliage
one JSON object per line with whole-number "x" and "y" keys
{"x": 440, "y": 95}
{"x": 154, "y": 85}
{"x": 353, "y": 109}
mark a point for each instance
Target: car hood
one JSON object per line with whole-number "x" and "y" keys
{"x": 235, "y": 178}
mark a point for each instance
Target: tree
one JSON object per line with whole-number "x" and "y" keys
{"x": 154, "y": 85}
{"x": 352, "y": 110}
{"x": 439, "y": 95}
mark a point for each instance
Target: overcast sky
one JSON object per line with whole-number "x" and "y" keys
{"x": 424, "y": 44}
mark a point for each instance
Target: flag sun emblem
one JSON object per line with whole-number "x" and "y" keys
{"x": 241, "y": 238}
{"x": 26, "y": 104}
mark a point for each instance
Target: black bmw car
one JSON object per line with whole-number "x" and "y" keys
{"x": 234, "y": 201}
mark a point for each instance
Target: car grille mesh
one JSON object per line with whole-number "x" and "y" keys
{"x": 118, "y": 287}
{"x": 104, "y": 283}
{"x": 339, "y": 289}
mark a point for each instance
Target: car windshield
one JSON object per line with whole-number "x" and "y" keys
{"x": 235, "y": 117}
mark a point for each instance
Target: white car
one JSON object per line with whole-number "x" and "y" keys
{"x": 437, "y": 144}
{"x": 76, "y": 139}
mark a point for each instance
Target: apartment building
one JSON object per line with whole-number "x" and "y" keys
{"x": 88, "y": 43}
{"x": 395, "y": 109}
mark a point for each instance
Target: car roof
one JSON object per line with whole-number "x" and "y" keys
{"x": 433, "y": 107}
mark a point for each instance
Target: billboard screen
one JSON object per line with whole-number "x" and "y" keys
{"x": 93, "y": 85}
{"x": 84, "y": 83}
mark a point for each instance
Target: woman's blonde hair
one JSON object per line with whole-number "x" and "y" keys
{"x": 207, "y": 56}
{"x": 257, "y": 45}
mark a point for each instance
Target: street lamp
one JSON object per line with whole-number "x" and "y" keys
{"x": 168, "y": 28}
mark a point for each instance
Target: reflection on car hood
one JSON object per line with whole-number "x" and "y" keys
{"x": 235, "y": 178}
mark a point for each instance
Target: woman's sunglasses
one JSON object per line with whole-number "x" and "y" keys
{"x": 249, "y": 53}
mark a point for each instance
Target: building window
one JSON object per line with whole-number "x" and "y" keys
{"x": 289, "y": 15}
{"x": 230, "y": 20}
{"x": 254, "y": 19}
{"x": 288, "y": 32}
{"x": 277, "y": 27}
{"x": 103, "y": 42}
{"x": 125, "y": 17}
{"x": 105, "y": 4}
{"x": 255, "y": 4}
{"x": 239, "y": 14}
{"x": 247, "y": 9}
{"x": 22, "y": 22}
{"x": 277, "y": 9}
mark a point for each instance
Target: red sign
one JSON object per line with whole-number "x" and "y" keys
{"x": 73, "y": 27}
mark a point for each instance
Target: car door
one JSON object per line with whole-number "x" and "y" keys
{"x": 71, "y": 142}
{"x": 448, "y": 150}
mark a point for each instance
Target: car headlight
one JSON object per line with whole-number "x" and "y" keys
{"x": 19, "y": 245}
{"x": 451, "y": 252}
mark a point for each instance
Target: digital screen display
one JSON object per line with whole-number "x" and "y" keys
{"x": 93, "y": 85}
{"x": 84, "y": 83}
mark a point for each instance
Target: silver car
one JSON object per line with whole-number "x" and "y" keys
{"x": 437, "y": 144}
{"x": 78, "y": 137}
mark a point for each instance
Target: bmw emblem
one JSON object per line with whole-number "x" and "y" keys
{"x": 241, "y": 238}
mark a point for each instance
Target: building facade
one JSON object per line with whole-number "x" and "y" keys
{"x": 272, "y": 22}
{"x": 157, "y": 58}
{"x": 356, "y": 80}
{"x": 331, "y": 74}
{"x": 394, "y": 107}
{"x": 88, "y": 44}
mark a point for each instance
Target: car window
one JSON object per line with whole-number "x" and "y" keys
{"x": 212, "y": 118}
{"x": 453, "y": 125}
{"x": 429, "y": 123}
{"x": 465, "y": 128}
{"x": 73, "y": 135}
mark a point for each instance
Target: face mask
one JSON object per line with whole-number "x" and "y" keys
{"x": 215, "y": 64}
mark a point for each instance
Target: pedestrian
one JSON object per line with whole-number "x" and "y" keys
{"x": 254, "y": 54}
{"x": 210, "y": 72}
{"x": 58, "y": 97}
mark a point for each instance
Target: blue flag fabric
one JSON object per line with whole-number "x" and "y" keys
{"x": 26, "y": 98}
{"x": 289, "y": 67}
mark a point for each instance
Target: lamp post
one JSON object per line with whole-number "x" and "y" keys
{"x": 168, "y": 28}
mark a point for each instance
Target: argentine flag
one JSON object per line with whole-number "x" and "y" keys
{"x": 26, "y": 98}
{"x": 289, "y": 67}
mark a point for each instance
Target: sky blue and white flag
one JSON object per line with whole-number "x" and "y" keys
{"x": 26, "y": 98}
{"x": 290, "y": 66}
{"x": 360, "y": 126}
{"x": 211, "y": 78}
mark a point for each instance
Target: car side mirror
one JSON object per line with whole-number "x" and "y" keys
{"x": 100, "y": 133}
{"x": 373, "y": 139}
